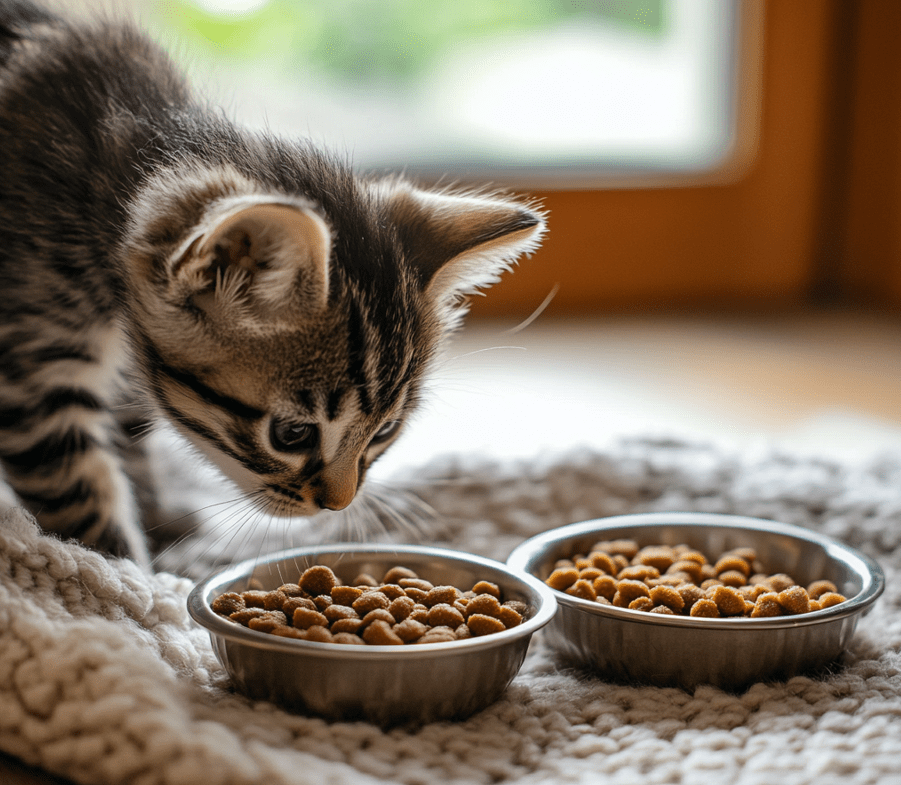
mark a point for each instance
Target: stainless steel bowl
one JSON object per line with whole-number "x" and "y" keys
{"x": 632, "y": 645}
{"x": 383, "y": 684}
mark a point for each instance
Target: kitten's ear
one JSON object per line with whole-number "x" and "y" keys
{"x": 461, "y": 243}
{"x": 260, "y": 256}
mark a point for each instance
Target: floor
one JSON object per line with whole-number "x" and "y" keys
{"x": 824, "y": 384}
{"x": 813, "y": 383}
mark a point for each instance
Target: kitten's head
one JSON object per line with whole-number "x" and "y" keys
{"x": 286, "y": 326}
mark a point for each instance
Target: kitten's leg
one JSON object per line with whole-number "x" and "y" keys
{"x": 58, "y": 441}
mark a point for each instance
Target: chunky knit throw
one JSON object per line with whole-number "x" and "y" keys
{"x": 104, "y": 679}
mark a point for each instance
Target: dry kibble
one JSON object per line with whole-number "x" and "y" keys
{"x": 369, "y": 601}
{"x": 641, "y": 604}
{"x": 732, "y": 563}
{"x": 668, "y": 596}
{"x": 660, "y": 557}
{"x": 626, "y": 591}
{"x": 395, "y": 574}
{"x": 391, "y": 614}
{"x": 379, "y": 633}
{"x": 441, "y": 595}
{"x": 480, "y": 624}
{"x": 562, "y": 579}
{"x": 705, "y": 609}
{"x": 590, "y": 573}
{"x": 794, "y": 599}
{"x": 689, "y": 567}
{"x": 638, "y": 572}
{"x": 733, "y": 578}
{"x": 444, "y": 615}
{"x": 729, "y": 601}
{"x": 317, "y": 580}
{"x": 484, "y": 604}
{"x": 228, "y": 603}
{"x": 304, "y": 618}
{"x": 627, "y": 548}
{"x": 603, "y": 561}
{"x": 255, "y": 598}
{"x": 605, "y": 587}
{"x": 345, "y": 595}
{"x": 663, "y": 609}
{"x": 781, "y": 582}
{"x": 829, "y": 599}
{"x": 582, "y": 588}
{"x": 766, "y": 606}
{"x": 486, "y": 587}
{"x": 818, "y": 588}
{"x": 690, "y": 594}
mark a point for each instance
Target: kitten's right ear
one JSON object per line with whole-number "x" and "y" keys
{"x": 259, "y": 257}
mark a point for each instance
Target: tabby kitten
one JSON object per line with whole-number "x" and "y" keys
{"x": 278, "y": 310}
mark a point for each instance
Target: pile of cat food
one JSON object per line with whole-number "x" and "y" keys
{"x": 682, "y": 581}
{"x": 400, "y": 608}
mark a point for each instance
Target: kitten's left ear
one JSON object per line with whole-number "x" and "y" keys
{"x": 460, "y": 243}
{"x": 263, "y": 255}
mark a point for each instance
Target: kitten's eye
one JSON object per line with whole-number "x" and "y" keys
{"x": 386, "y": 431}
{"x": 292, "y": 437}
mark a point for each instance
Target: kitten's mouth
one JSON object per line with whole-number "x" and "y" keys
{"x": 288, "y": 502}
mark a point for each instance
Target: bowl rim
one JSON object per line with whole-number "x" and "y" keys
{"x": 200, "y": 611}
{"x": 527, "y": 554}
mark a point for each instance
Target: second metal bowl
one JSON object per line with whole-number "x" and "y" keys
{"x": 633, "y": 645}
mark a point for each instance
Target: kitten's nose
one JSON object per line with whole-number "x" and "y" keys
{"x": 337, "y": 490}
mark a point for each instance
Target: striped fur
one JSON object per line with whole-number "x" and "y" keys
{"x": 277, "y": 309}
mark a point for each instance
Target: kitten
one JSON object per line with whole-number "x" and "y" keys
{"x": 278, "y": 310}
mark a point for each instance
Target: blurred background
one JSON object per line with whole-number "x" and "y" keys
{"x": 723, "y": 179}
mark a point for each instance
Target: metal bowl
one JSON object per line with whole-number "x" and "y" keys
{"x": 635, "y": 646}
{"x": 383, "y": 684}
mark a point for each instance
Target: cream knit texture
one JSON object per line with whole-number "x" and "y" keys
{"x": 104, "y": 679}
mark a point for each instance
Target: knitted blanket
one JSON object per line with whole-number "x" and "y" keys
{"x": 104, "y": 679}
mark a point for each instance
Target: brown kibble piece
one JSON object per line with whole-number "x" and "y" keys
{"x": 484, "y": 604}
{"x": 345, "y": 595}
{"x": 562, "y": 579}
{"x": 660, "y": 557}
{"x": 242, "y": 617}
{"x": 665, "y": 609}
{"x": 688, "y": 566}
{"x": 228, "y": 603}
{"x": 291, "y": 590}
{"x": 267, "y": 622}
{"x": 293, "y": 603}
{"x": 733, "y": 578}
{"x": 821, "y": 587}
{"x": 346, "y": 625}
{"x": 364, "y": 579}
{"x": 668, "y": 596}
{"x": 691, "y": 555}
{"x": 304, "y": 618}
{"x": 780, "y": 582}
{"x": 395, "y": 574}
{"x": 690, "y": 594}
{"x": 705, "y": 609}
{"x": 582, "y": 588}
{"x": 641, "y": 604}
{"x": 401, "y": 608}
{"x": 602, "y": 561}
{"x": 379, "y": 633}
{"x": 415, "y": 583}
{"x": 487, "y": 587}
{"x": 509, "y": 617}
{"x": 369, "y": 601}
{"x": 417, "y": 595}
{"x": 444, "y": 615}
{"x": 391, "y": 590}
{"x": 728, "y": 601}
{"x": 317, "y": 580}
{"x": 590, "y": 573}
{"x": 731, "y": 563}
{"x": 638, "y": 572}
{"x": 766, "y": 606}
{"x": 627, "y": 548}
{"x": 347, "y": 638}
{"x": 830, "y": 598}
{"x": 794, "y": 599}
{"x": 438, "y": 635}
{"x": 320, "y": 634}
{"x": 289, "y": 632}
{"x": 605, "y": 587}
{"x": 480, "y": 624}
{"x": 335, "y": 612}
{"x": 254, "y": 598}
{"x": 377, "y": 614}
{"x": 410, "y": 630}
{"x": 441, "y": 595}
{"x": 626, "y": 591}
{"x": 322, "y": 601}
